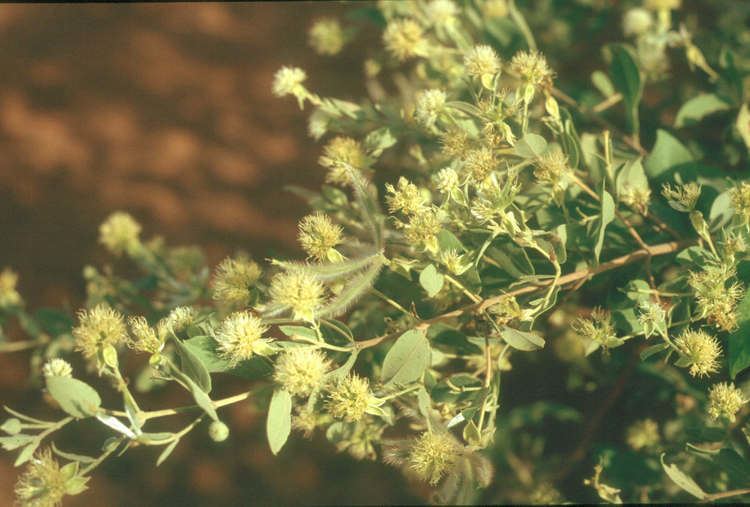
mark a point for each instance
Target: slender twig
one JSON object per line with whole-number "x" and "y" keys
{"x": 576, "y": 276}
{"x": 726, "y": 494}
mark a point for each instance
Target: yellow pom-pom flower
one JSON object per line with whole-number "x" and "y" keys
{"x": 43, "y": 484}
{"x": 701, "y": 351}
{"x": 120, "y": 234}
{"x": 319, "y": 237}
{"x": 327, "y": 37}
{"x": 404, "y": 39}
{"x": 240, "y": 337}
{"x": 234, "y": 280}
{"x": 98, "y": 327}
{"x": 725, "y": 400}
{"x": 350, "y": 399}
{"x": 300, "y": 371}
{"x": 298, "y": 290}
{"x": 431, "y": 456}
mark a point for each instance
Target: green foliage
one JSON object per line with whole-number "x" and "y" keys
{"x": 503, "y": 256}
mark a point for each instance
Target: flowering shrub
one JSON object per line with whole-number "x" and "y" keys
{"x": 476, "y": 220}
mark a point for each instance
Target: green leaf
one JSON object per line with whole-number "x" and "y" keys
{"x": 531, "y": 146}
{"x": 601, "y": 81}
{"x": 407, "y": 359}
{"x": 279, "y": 421}
{"x": 743, "y": 124}
{"x": 739, "y": 340}
{"x": 721, "y": 211}
{"x": 302, "y": 331}
{"x": 698, "y": 107}
{"x": 632, "y": 175}
{"x": 683, "y": 480}
{"x": 167, "y": 451}
{"x": 735, "y": 465}
{"x": 192, "y": 366}
{"x": 606, "y": 215}
{"x": 431, "y": 280}
{"x": 627, "y": 80}
{"x": 378, "y": 141}
{"x": 668, "y": 152}
{"x": 75, "y": 397}
{"x": 448, "y": 241}
{"x": 522, "y": 340}
{"x": 653, "y": 349}
{"x": 205, "y": 348}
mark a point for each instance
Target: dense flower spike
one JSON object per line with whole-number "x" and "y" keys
{"x": 344, "y": 157}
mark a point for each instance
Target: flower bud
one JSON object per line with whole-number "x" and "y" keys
{"x": 218, "y": 431}
{"x": 431, "y": 455}
{"x": 725, "y": 400}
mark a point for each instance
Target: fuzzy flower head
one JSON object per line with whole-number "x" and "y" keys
{"x": 637, "y": 21}
{"x": 327, "y": 37}
{"x": 717, "y": 296}
{"x": 455, "y": 262}
{"x": 725, "y": 400}
{"x": 98, "y": 327}
{"x": 597, "y": 328}
{"x": 144, "y": 337}
{"x": 57, "y": 368}
{"x": 178, "y": 320}
{"x": 422, "y": 229}
{"x": 350, "y": 399}
{"x": 430, "y": 104}
{"x": 299, "y": 290}
{"x": 637, "y": 198}
{"x": 343, "y": 157}
{"x": 404, "y": 39}
{"x": 741, "y": 201}
{"x": 240, "y": 336}
{"x": 552, "y": 169}
{"x": 120, "y": 234}
{"x": 234, "y": 280}
{"x": 405, "y": 198}
{"x": 653, "y": 318}
{"x": 44, "y": 483}
{"x": 482, "y": 61}
{"x": 301, "y": 370}
{"x": 9, "y": 296}
{"x": 446, "y": 180}
{"x": 319, "y": 237}
{"x": 442, "y": 13}
{"x": 700, "y": 351}
{"x": 479, "y": 163}
{"x": 288, "y": 81}
{"x": 682, "y": 197}
{"x": 431, "y": 456}
{"x": 642, "y": 434}
{"x": 532, "y": 68}
{"x": 454, "y": 142}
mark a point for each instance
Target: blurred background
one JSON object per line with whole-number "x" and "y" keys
{"x": 165, "y": 111}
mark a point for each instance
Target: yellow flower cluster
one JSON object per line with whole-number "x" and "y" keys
{"x": 98, "y": 327}
{"x": 431, "y": 455}
{"x": 233, "y": 281}
{"x": 327, "y": 37}
{"x": 319, "y": 237}
{"x": 300, "y": 371}
{"x": 120, "y": 234}
{"x": 350, "y": 398}
{"x": 240, "y": 336}
{"x": 343, "y": 157}
{"x": 404, "y": 39}
{"x": 299, "y": 290}
{"x": 725, "y": 400}
{"x": 701, "y": 350}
